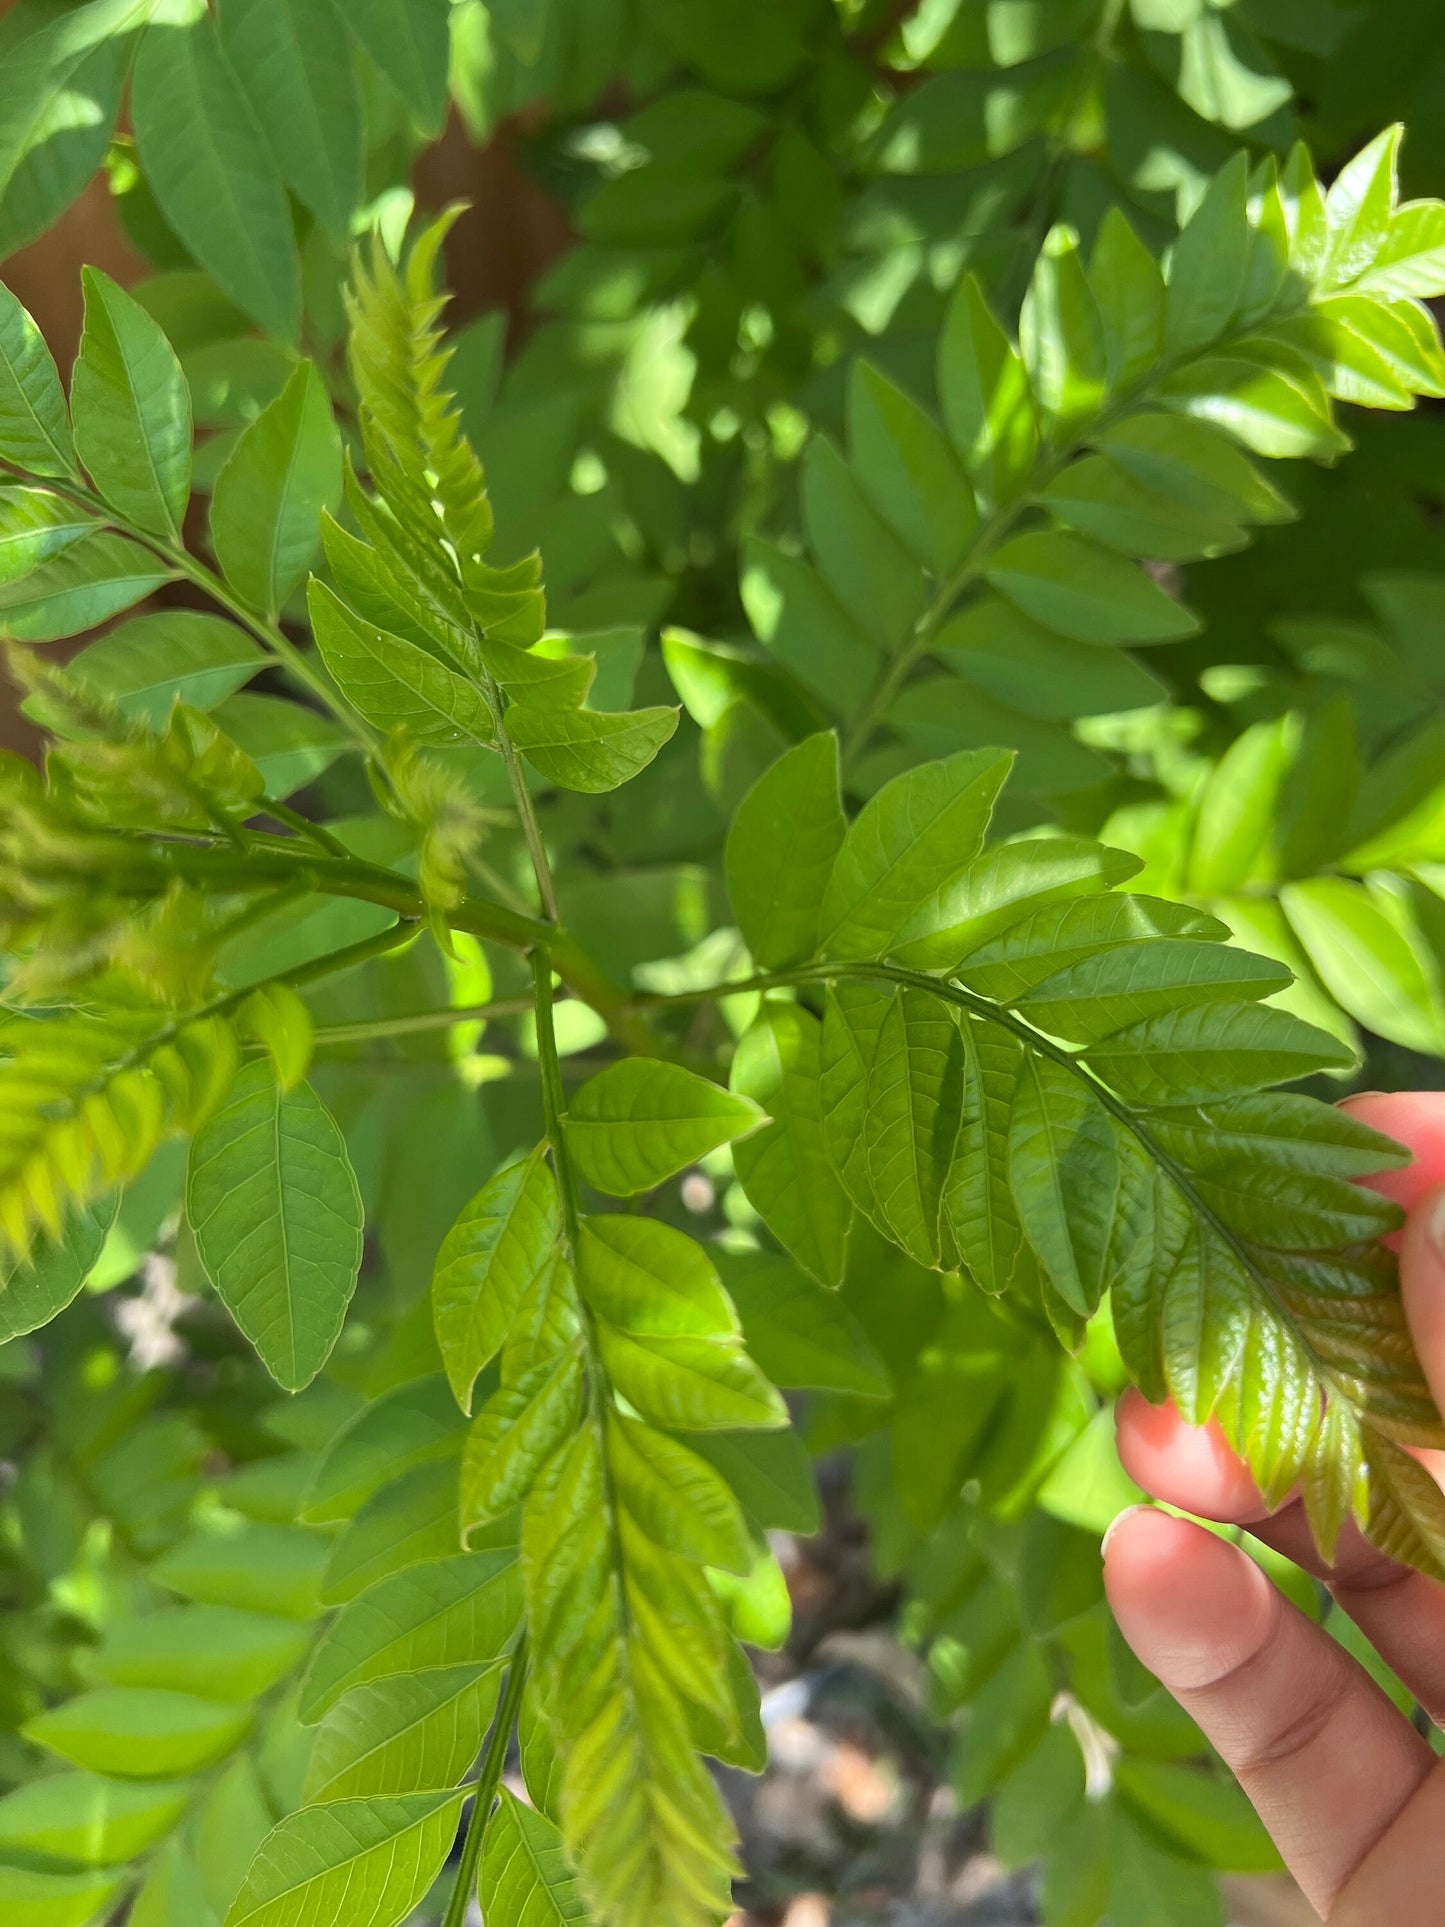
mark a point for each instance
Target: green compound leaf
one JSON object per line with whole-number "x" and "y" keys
{"x": 132, "y": 410}
{"x": 525, "y": 1877}
{"x": 910, "y": 474}
{"x": 492, "y": 1261}
{"x": 584, "y": 749}
{"x": 34, "y": 1899}
{"x": 34, "y": 1289}
{"x": 147, "y": 663}
{"x": 354, "y": 1863}
{"x": 911, "y": 1117}
{"x": 669, "y": 1336}
{"x": 59, "y": 100}
{"x": 984, "y": 391}
{"x": 34, "y": 421}
{"x": 799, "y": 1333}
{"x": 295, "y": 66}
{"x": 257, "y": 1567}
{"x": 676, "y": 1497}
{"x": 410, "y": 1734}
{"x": 777, "y": 906}
{"x": 83, "y": 1818}
{"x": 1064, "y": 1170}
{"x": 639, "y": 1811}
{"x": 414, "y": 1425}
{"x": 1213, "y": 1050}
{"x": 176, "y": 1647}
{"x": 393, "y": 682}
{"x": 784, "y": 1167}
{"x": 907, "y": 844}
{"x": 407, "y": 41}
{"x": 208, "y": 164}
{"x": 141, "y": 1733}
{"x": 269, "y": 498}
{"x": 407, "y": 1523}
{"x": 639, "y": 1122}
{"x": 1081, "y": 590}
{"x": 276, "y": 1213}
{"x": 451, "y": 1612}
{"x": 517, "y": 1431}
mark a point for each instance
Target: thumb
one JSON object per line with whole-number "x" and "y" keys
{"x": 1422, "y": 1285}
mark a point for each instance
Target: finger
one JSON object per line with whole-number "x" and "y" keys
{"x": 1399, "y": 1611}
{"x": 1422, "y": 1285}
{"x": 1325, "y": 1758}
{"x": 1417, "y": 1120}
{"x": 1402, "y": 1877}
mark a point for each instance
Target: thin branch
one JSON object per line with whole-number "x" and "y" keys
{"x": 416, "y": 1023}
{"x": 554, "y": 1102}
{"x": 488, "y": 1780}
{"x": 303, "y": 826}
{"x": 526, "y": 808}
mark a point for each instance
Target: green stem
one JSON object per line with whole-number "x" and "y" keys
{"x": 554, "y": 1101}
{"x": 221, "y": 869}
{"x": 303, "y": 826}
{"x": 392, "y": 938}
{"x": 488, "y": 1780}
{"x": 282, "y": 651}
{"x": 420, "y": 1021}
{"x": 526, "y": 809}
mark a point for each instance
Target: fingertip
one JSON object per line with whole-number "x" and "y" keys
{"x": 1193, "y": 1607}
{"x": 1190, "y": 1466}
{"x": 1415, "y": 1119}
{"x": 1422, "y": 1284}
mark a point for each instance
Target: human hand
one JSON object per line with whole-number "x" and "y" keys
{"x": 1351, "y": 1792}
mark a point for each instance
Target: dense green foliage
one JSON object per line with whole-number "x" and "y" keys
{"x": 776, "y": 837}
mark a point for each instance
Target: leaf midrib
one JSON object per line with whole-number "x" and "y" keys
{"x": 1123, "y": 1114}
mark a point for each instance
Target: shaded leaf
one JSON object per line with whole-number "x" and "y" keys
{"x": 132, "y": 410}
{"x": 274, "y": 1205}
{"x": 784, "y": 1168}
{"x": 268, "y": 500}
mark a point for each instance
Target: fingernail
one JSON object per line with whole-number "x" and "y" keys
{"x": 1114, "y": 1525}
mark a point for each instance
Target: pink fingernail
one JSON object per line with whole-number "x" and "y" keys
{"x": 1113, "y": 1526}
